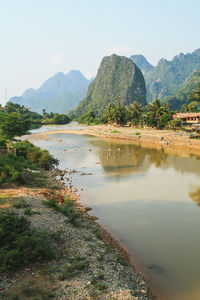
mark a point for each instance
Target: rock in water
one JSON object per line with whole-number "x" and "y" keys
{"x": 118, "y": 80}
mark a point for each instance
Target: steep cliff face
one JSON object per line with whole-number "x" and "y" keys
{"x": 118, "y": 80}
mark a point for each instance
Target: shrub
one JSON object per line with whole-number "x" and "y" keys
{"x": 21, "y": 204}
{"x": 67, "y": 209}
{"x": 20, "y": 245}
{"x": 74, "y": 267}
{"x": 12, "y": 167}
{"x": 36, "y": 155}
{"x": 3, "y": 143}
{"x": 174, "y": 124}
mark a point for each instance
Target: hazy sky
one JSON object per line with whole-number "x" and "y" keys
{"x": 41, "y": 37}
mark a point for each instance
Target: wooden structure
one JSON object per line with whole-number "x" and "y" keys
{"x": 188, "y": 118}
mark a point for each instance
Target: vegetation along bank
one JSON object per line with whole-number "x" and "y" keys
{"x": 49, "y": 246}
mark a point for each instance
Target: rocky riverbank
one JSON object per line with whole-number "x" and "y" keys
{"x": 89, "y": 264}
{"x": 168, "y": 139}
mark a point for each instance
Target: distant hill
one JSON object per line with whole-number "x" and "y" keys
{"x": 60, "y": 93}
{"x": 182, "y": 95}
{"x": 141, "y": 63}
{"x": 167, "y": 77}
{"x": 118, "y": 80}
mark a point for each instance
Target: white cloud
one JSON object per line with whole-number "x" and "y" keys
{"x": 121, "y": 50}
{"x": 58, "y": 60}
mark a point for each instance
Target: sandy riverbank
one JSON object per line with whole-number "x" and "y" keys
{"x": 105, "y": 275}
{"x": 170, "y": 140}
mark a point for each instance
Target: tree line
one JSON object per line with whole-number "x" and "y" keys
{"x": 18, "y": 157}
{"x": 156, "y": 114}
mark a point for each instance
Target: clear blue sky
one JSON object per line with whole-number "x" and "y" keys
{"x": 41, "y": 37}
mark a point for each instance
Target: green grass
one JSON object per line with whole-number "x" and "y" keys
{"x": 21, "y": 204}
{"x": 75, "y": 266}
{"x": 29, "y": 291}
{"x": 28, "y": 212}
{"x": 88, "y": 237}
{"x": 119, "y": 260}
{"x": 67, "y": 209}
{"x": 115, "y": 131}
{"x": 97, "y": 282}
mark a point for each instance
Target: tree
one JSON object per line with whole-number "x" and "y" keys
{"x": 195, "y": 95}
{"x": 87, "y": 118}
{"x": 193, "y": 107}
{"x": 115, "y": 114}
{"x": 12, "y": 125}
{"x": 135, "y": 111}
{"x": 184, "y": 108}
{"x": 155, "y": 111}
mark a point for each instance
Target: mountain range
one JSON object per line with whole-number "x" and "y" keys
{"x": 60, "y": 93}
{"x": 167, "y": 80}
{"x": 182, "y": 95}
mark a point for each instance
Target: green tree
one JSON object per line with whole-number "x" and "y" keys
{"x": 87, "y": 118}
{"x": 135, "y": 111}
{"x": 115, "y": 114}
{"x": 12, "y": 125}
{"x": 193, "y": 107}
{"x": 184, "y": 108}
{"x": 155, "y": 111}
{"x": 195, "y": 95}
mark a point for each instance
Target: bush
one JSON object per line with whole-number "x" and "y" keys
{"x": 36, "y": 155}
{"x": 57, "y": 119}
{"x": 20, "y": 245}
{"x": 3, "y": 143}
{"x": 67, "y": 209}
{"x": 174, "y": 124}
{"x": 12, "y": 168}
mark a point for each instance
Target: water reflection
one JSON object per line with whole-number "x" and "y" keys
{"x": 195, "y": 196}
{"x": 119, "y": 159}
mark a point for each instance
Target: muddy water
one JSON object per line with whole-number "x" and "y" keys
{"x": 145, "y": 197}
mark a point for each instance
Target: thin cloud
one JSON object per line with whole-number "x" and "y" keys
{"x": 58, "y": 60}
{"x": 120, "y": 50}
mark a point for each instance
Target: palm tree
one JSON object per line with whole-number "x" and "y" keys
{"x": 135, "y": 111}
{"x": 154, "y": 112}
{"x": 193, "y": 107}
{"x": 184, "y": 108}
{"x": 195, "y": 95}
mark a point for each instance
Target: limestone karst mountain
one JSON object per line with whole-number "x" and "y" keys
{"x": 118, "y": 80}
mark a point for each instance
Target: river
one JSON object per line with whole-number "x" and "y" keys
{"x": 148, "y": 199}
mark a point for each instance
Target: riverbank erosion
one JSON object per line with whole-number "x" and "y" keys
{"x": 87, "y": 263}
{"x": 152, "y": 138}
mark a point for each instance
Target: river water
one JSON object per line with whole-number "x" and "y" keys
{"x": 146, "y": 198}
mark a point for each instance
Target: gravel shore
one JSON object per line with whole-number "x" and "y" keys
{"x": 170, "y": 140}
{"x": 86, "y": 267}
